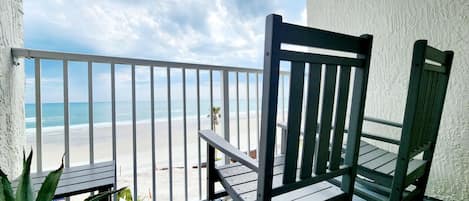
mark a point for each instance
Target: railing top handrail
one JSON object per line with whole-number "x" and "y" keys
{"x": 54, "y": 55}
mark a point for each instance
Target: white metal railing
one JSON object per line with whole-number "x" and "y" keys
{"x": 66, "y": 58}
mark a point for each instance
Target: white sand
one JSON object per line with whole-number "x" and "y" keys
{"x": 53, "y": 148}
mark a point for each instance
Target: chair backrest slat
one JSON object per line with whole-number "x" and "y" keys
{"x": 312, "y": 107}
{"x": 424, "y": 93}
{"x": 340, "y": 117}
{"x": 434, "y": 54}
{"x": 429, "y": 111}
{"x": 437, "y": 108}
{"x": 356, "y": 116}
{"x": 326, "y": 119}
{"x": 315, "y": 155}
{"x": 294, "y": 121}
{"x": 427, "y": 90}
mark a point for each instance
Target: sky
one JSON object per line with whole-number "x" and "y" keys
{"x": 221, "y": 32}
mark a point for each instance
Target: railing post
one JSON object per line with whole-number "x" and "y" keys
{"x": 226, "y": 109}
{"x": 38, "y": 104}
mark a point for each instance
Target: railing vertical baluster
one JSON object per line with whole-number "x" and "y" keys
{"x": 185, "y": 131}
{"x": 257, "y": 114}
{"x": 113, "y": 114}
{"x": 153, "y": 138}
{"x": 66, "y": 115}
{"x": 37, "y": 66}
{"x": 170, "y": 150}
{"x": 283, "y": 144}
{"x": 226, "y": 109}
{"x": 90, "y": 111}
{"x": 199, "y": 163}
{"x": 66, "y": 118}
{"x": 211, "y": 100}
{"x": 248, "y": 115}
{"x": 237, "y": 108}
{"x": 211, "y": 107}
{"x": 134, "y": 132}
{"x": 282, "y": 139}
{"x": 283, "y": 98}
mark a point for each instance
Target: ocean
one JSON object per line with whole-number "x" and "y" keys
{"x": 53, "y": 113}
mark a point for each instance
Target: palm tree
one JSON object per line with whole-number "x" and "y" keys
{"x": 216, "y": 115}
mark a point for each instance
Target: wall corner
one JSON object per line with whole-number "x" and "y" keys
{"x": 12, "y": 79}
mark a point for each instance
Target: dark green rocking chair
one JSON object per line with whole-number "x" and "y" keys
{"x": 290, "y": 177}
{"x": 389, "y": 176}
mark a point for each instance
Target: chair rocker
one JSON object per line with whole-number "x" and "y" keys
{"x": 402, "y": 176}
{"x": 290, "y": 177}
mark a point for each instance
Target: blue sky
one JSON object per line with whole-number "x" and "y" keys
{"x": 218, "y": 32}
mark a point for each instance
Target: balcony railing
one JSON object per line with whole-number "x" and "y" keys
{"x": 239, "y": 127}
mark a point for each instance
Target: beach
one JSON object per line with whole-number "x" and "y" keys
{"x": 53, "y": 148}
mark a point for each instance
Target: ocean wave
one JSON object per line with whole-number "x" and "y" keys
{"x": 242, "y": 114}
{"x": 30, "y": 119}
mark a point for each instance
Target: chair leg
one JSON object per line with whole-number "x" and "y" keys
{"x": 107, "y": 198}
{"x": 210, "y": 172}
{"x": 398, "y": 182}
{"x": 421, "y": 183}
{"x": 347, "y": 185}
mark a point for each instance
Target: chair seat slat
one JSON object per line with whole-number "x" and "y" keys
{"x": 244, "y": 185}
{"x": 380, "y": 161}
{"x": 383, "y": 163}
{"x": 370, "y": 156}
{"x": 324, "y": 194}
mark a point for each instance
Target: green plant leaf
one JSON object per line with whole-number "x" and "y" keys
{"x": 104, "y": 194}
{"x": 126, "y": 194}
{"x": 47, "y": 191}
{"x": 6, "y": 193}
{"x": 24, "y": 191}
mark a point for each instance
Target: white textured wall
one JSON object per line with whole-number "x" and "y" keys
{"x": 396, "y": 25}
{"x": 11, "y": 87}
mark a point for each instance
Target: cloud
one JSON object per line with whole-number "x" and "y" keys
{"x": 221, "y": 32}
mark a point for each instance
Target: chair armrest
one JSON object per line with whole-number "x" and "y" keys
{"x": 283, "y": 126}
{"x": 382, "y": 121}
{"x": 221, "y": 144}
{"x": 380, "y": 138}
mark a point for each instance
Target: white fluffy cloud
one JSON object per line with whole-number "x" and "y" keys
{"x": 222, "y": 32}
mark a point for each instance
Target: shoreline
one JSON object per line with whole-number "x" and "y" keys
{"x": 32, "y": 130}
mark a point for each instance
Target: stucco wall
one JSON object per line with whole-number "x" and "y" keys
{"x": 396, "y": 25}
{"x": 11, "y": 87}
